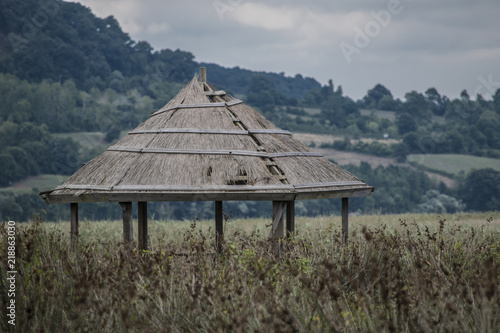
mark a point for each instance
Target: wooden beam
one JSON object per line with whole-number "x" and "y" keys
{"x": 345, "y": 220}
{"x": 290, "y": 218}
{"x": 278, "y": 210}
{"x": 74, "y": 222}
{"x": 277, "y": 230}
{"x": 142, "y": 223}
{"x": 219, "y": 227}
{"x": 251, "y": 193}
{"x": 128, "y": 230}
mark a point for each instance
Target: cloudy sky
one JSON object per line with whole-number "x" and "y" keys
{"x": 405, "y": 45}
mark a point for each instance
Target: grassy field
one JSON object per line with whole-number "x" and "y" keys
{"x": 391, "y": 115}
{"x": 403, "y": 273}
{"x": 453, "y": 163}
{"x": 308, "y": 138}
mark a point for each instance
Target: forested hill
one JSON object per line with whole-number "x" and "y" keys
{"x": 72, "y": 83}
{"x": 61, "y": 41}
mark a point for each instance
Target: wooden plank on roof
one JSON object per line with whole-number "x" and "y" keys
{"x": 212, "y": 131}
{"x": 330, "y": 184}
{"x": 234, "y": 102}
{"x": 198, "y": 105}
{"x": 269, "y": 131}
{"x": 341, "y": 193}
{"x": 84, "y": 187}
{"x": 204, "y": 152}
{"x": 213, "y": 152}
{"x": 169, "y": 196}
{"x": 295, "y": 153}
{"x": 215, "y": 93}
{"x": 202, "y": 188}
{"x": 124, "y": 149}
{"x": 191, "y": 130}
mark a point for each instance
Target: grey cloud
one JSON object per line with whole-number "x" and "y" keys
{"x": 430, "y": 43}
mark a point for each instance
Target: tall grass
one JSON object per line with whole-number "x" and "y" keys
{"x": 403, "y": 276}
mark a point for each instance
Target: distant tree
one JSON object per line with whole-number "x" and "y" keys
{"x": 417, "y": 106}
{"x": 489, "y": 125}
{"x": 435, "y": 202}
{"x": 375, "y": 94}
{"x": 405, "y": 123}
{"x": 9, "y": 169}
{"x": 262, "y": 93}
{"x": 412, "y": 141}
{"x": 496, "y": 101}
{"x": 436, "y": 101}
{"x": 481, "y": 190}
{"x": 454, "y": 142}
{"x": 113, "y": 134}
{"x": 401, "y": 152}
{"x": 464, "y": 95}
{"x": 387, "y": 103}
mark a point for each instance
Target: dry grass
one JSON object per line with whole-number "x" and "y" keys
{"x": 408, "y": 273}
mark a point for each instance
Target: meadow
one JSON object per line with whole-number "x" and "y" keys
{"x": 453, "y": 164}
{"x": 399, "y": 273}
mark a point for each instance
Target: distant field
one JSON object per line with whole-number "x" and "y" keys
{"x": 454, "y": 163}
{"x": 344, "y": 157}
{"x": 41, "y": 182}
{"x": 391, "y": 115}
{"x": 308, "y": 138}
{"x": 312, "y": 111}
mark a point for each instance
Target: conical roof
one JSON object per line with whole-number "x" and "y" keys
{"x": 206, "y": 145}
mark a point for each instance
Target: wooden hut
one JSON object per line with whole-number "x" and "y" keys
{"x": 205, "y": 145}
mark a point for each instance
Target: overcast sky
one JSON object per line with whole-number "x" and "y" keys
{"x": 405, "y": 45}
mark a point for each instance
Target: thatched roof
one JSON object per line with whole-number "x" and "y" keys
{"x": 206, "y": 145}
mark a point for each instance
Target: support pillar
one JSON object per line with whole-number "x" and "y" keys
{"x": 345, "y": 220}
{"x": 290, "y": 218}
{"x": 128, "y": 230}
{"x": 74, "y": 222}
{"x": 142, "y": 223}
{"x": 219, "y": 227}
{"x": 277, "y": 230}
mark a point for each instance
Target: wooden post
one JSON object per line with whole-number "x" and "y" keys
{"x": 345, "y": 220}
{"x": 142, "y": 223}
{"x": 219, "y": 227}
{"x": 128, "y": 230}
{"x": 277, "y": 230}
{"x": 290, "y": 218}
{"x": 74, "y": 222}
{"x": 203, "y": 74}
